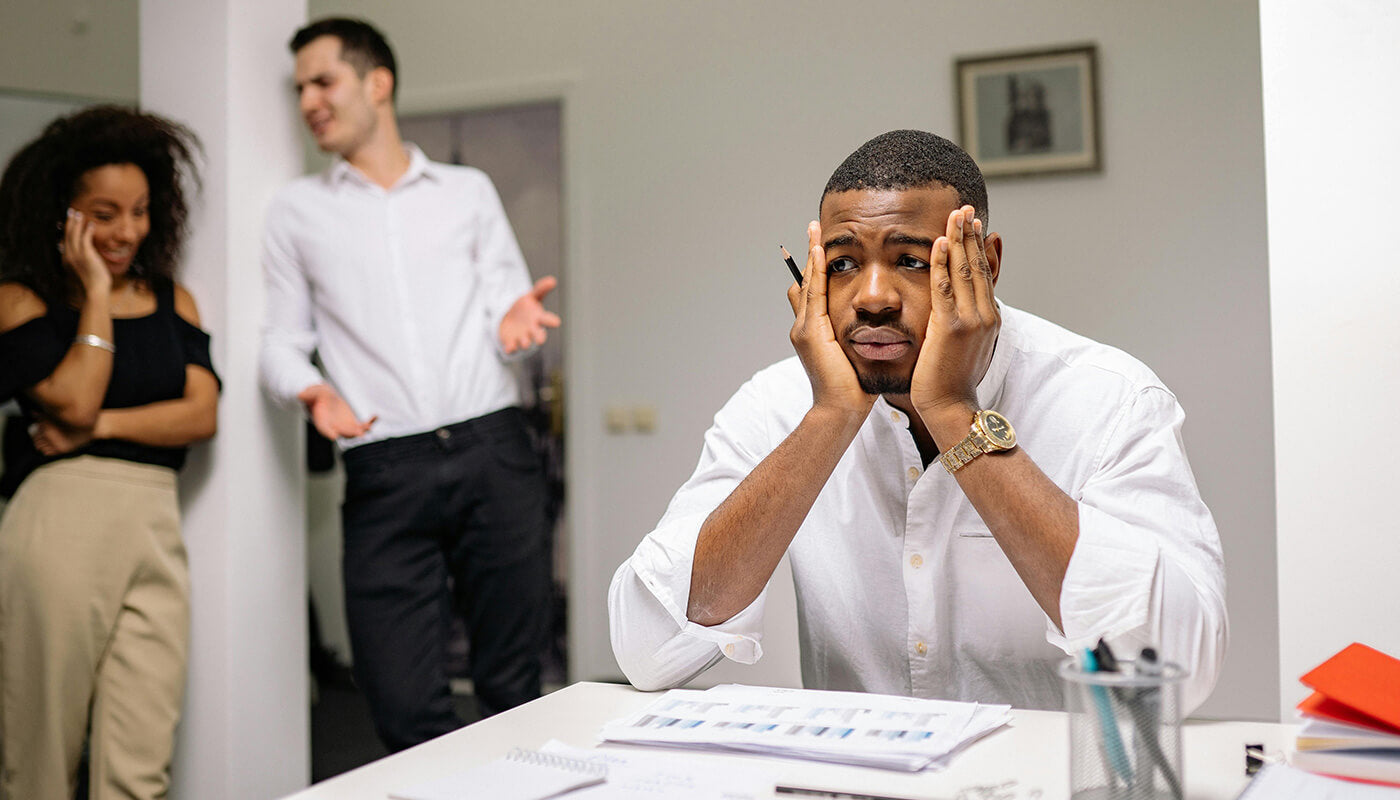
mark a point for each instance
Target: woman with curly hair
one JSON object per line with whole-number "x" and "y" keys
{"x": 103, "y": 351}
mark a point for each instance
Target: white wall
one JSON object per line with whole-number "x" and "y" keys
{"x": 219, "y": 66}
{"x": 85, "y": 48}
{"x": 698, "y": 137}
{"x": 1330, "y": 120}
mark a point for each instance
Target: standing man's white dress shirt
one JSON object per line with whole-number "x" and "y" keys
{"x": 900, "y": 587}
{"x": 399, "y": 291}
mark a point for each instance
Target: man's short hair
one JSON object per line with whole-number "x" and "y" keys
{"x": 362, "y": 46}
{"x": 910, "y": 160}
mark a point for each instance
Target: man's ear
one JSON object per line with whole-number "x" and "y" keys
{"x": 992, "y": 246}
{"x": 381, "y": 85}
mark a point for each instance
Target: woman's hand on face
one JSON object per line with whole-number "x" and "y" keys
{"x": 80, "y": 253}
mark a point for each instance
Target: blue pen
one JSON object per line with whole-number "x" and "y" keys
{"x": 1112, "y": 742}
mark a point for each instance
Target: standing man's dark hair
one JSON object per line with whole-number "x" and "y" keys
{"x": 361, "y": 45}
{"x": 901, "y": 160}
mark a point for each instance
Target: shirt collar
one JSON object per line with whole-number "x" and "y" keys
{"x": 418, "y": 167}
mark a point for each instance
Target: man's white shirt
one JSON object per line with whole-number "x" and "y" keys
{"x": 901, "y": 588}
{"x": 399, "y": 291}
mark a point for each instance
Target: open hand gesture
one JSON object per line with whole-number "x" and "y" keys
{"x": 331, "y": 415}
{"x": 962, "y": 327}
{"x": 524, "y": 324}
{"x": 834, "y": 380}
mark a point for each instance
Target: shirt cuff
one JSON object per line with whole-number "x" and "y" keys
{"x": 666, "y": 573}
{"x": 1107, "y": 590}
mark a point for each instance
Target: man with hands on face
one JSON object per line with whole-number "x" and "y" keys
{"x": 403, "y": 277}
{"x": 971, "y": 580}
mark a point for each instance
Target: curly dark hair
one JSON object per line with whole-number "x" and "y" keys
{"x": 42, "y": 179}
{"x": 910, "y": 160}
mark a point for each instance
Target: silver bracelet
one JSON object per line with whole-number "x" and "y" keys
{"x": 93, "y": 340}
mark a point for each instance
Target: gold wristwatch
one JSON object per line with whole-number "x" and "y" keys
{"x": 990, "y": 433}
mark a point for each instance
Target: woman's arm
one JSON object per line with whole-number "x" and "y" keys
{"x": 72, "y": 394}
{"x": 193, "y": 417}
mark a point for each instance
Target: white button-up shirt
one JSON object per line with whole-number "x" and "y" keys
{"x": 399, "y": 291}
{"x": 901, "y": 588}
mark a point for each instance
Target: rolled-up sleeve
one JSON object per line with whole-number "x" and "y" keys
{"x": 1147, "y": 569}
{"x": 289, "y": 330}
{"x": 654, "y": 642}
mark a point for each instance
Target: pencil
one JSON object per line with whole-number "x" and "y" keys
{"x": 792, "y": 265}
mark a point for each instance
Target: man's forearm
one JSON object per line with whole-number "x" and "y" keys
{"x": 743, "y": 540}
{"x": 1034, "y": 521}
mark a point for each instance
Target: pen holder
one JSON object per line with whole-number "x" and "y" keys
{"x": 1124, "y": 732}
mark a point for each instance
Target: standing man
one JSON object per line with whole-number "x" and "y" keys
{"x": 403, "y": 277}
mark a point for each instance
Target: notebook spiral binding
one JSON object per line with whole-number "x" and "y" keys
{"x": 535, "y": 758}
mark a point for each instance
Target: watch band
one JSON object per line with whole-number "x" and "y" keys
{"x": 960, "y": 454}
{"x": 990, "y": 433}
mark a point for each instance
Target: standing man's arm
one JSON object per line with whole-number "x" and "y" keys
{"x": 289, "y": 339}
{"x": 514, "y": 308}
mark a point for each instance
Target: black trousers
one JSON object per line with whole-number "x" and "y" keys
{"x": 468, "y": 501}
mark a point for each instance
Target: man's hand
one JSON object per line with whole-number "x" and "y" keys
{"x": 53, "y": 439}
{"x": 962, "y": 328}
{"x": 331, "y": 414}
{"x": 523, "y": 325}
{"x": 834, "y": 381}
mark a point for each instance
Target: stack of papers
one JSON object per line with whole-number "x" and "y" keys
{"x": 868, "y": 730}
{"x": 1351, "y": 722}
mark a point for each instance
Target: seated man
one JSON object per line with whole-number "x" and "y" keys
{"x": 935, "y": 552}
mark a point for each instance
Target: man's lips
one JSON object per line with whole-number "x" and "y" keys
{"x": 880, "y": 344}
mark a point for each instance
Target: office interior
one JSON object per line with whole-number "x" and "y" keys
{"x": 1229, "y": 241}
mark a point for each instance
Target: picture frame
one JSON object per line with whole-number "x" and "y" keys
{"x": 1032, "y": 112}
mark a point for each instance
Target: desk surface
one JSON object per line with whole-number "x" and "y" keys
{"x": 1034, "y": 752}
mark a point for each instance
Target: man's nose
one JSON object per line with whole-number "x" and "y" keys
{"x": 877, "y": 291}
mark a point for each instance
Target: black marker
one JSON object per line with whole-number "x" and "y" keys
{"x": 792, "y": 265}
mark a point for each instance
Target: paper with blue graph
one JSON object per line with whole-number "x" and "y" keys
{"x": 871, "y": 730}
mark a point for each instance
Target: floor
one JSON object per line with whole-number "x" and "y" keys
{"x": 342, "y": 734}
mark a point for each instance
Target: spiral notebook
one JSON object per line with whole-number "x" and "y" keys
{"x": 520, "y": 775}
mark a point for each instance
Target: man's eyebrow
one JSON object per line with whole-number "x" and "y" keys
{"x": 909, "y": 239}
{"x": 844, "y": 240}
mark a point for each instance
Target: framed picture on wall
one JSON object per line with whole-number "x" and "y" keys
{"x": 1032, "y": 112}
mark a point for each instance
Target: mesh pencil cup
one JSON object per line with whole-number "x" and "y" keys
{"x": 1124, "y": 731}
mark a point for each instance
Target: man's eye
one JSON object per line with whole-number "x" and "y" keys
{"x": 838, "y": 265}
{"x": 910, "y": 262}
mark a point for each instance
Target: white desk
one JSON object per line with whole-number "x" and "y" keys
{"x": 1034, "y": 752}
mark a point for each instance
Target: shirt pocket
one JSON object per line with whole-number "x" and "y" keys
{"x": 994, "y": 614}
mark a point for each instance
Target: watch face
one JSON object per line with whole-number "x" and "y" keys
{"x": 998, "y": 430}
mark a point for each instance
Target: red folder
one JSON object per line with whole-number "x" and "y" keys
{"x": 1359, "y": 686}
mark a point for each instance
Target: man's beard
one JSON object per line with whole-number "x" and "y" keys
{"x": 883, "y": 383}
{"x": 880, "y": 383}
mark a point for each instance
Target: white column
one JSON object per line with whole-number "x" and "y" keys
{"x": 1330, "y": 73}
{"x": 222, "y": 67}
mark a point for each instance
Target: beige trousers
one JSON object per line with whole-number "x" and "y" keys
{"x": 94, "y": 629}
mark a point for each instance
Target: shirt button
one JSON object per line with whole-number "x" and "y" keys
{"x": 916, "y": 561}
{"x": 729, "y": 649}
{"x": 921, "y": 648}
{"x": 913, "y": 473}
{"x": 444, "y": 434}
{"x": 894, "y": 415}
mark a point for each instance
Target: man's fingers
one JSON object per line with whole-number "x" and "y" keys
{"x": 814, "y": 279}
{"x": 544, "y": 286}
{"x": 550, "y": 320}
{"x": 981, "y": 270}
